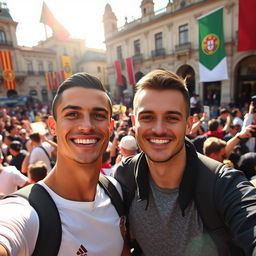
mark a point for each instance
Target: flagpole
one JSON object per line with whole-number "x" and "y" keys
{"x": 45, "y": 31}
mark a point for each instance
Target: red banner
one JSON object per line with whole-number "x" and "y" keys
{"x": 7, "y": 69}
{"x": 61, "y": 76}
{"x": 49, "y": 80}
{"x": 247, "y": 25}
{"x": 119, "y": 72}
{"x": 129, "y": 67}
{"x": 55, "y": 80}
{"x": 59, "y": 31}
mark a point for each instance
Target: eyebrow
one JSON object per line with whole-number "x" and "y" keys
{"x": 97, "y": 109}
{"x": 168, "y": 112}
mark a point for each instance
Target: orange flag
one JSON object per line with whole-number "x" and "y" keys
{"x": 48, "y": 79}
{"x": 7, "y": 68}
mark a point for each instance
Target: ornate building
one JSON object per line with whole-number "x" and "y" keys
{"x": 168, "y": 39}
{"x": 31, "y": 63}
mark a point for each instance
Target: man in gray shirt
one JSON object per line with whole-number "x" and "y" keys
{"x": 164, "y": 216}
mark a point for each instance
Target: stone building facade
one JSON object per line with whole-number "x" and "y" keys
{"x": 168, "y": 39}
{"x": 31, "y": 63}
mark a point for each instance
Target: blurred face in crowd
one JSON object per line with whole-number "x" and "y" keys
{"x": 161, "y": 122}
{"x": 82, "y": 125}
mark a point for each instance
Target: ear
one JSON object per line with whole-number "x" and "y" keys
{"x": 133, "y": 119}
{"x": 111, "y": 126}
{"x": 189, "y": 124}
{"x": 51, "y": 124}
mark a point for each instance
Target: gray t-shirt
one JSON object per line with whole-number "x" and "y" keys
{"x": 162, "y": 230}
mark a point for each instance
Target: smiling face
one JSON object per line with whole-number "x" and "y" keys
{"x": 82, "y": 125}
{"x": 161, "y": 123}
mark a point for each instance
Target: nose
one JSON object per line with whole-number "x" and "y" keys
{"x": 86, "y": 124}
{"x": 159, "y": 127}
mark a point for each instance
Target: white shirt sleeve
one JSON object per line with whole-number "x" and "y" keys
{"x": 19, "y": 178}
{"x": 19, "y": 226}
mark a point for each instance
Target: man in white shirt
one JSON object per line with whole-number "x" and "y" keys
{"x": 10, "y": 178}
{"x": 90, "y": 223}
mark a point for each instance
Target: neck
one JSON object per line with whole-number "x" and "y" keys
{"x": 168, "y": 174}
{"x": 74, "y": 181}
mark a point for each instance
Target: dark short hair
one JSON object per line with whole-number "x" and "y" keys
{"x": 213, "y": 125}
{"x": 35, "y": 136}
{"x": 162, "y": 80}
{"x": 78, "y": 80}
{"x": 15, "y": 145}
{"x": 37, "y": 170}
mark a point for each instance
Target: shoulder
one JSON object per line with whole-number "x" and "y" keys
{"x": 11, "y": 169}
{"x": 19, "y": 225}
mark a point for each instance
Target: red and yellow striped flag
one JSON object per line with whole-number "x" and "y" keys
{"x": 55, "y": 80}
{"x": 7, "y": 69}
{"x": 48, "y": 80}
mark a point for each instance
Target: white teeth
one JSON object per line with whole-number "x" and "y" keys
{"x": 158, "y": 141}
{"x": 85, "y": 142}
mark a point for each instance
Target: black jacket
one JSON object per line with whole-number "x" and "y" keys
{"x": 225, "y": 199}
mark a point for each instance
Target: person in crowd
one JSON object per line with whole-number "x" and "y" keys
{"x": 222, "y": 118}
{"x": 10, "y": 179}
{"x": 37, "y": 171}
{"x": 215, "y": 148}
{"x": 237, "y": 117}
{"x": 38, "y": 150}
{"x": 194, "y": 104}
{"x": 106, "y": 167}
{"x": 250, "y": 118}
{"x": 14, "y": 132}
{"x": 82, "y": 123}
{"x": 17, "y": 154}
{"x": 128, "y": 147}
{"x": 24, "y": 138}
{"x": 163, "y": 216}
{"x": 197, "y": 128}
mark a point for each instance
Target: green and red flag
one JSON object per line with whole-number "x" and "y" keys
{"x": 212, "y": 56}
{"x": 47, "y": 18}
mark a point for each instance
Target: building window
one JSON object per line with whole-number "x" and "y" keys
{"x": 2, "y": 36}
{"x": 30, "y": 67}
{"x": 50, "y": 66}
{"x": 119, "y": 52}
{"x": 99, "y": 69}
{"x": 40, "y": 68}
{"x": 136, "y": 47}
{"x": 183, "y": 34}
{"x": 158, "y": 41}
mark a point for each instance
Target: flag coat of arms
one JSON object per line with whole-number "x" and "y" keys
{"x": 7, "y": 70}
{"x": 212, "y": 56}
{"x": 67, "y": 66}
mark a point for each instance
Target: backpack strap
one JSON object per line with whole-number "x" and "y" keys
{"x": 50, "y": 231}
{"x": 113, "y": 194}
{"x": 45, "y": 152}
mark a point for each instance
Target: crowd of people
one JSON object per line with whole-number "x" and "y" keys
{"x": 153, "y": 153}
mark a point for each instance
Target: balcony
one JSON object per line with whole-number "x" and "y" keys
{"x": 183, "y": 48}
{"x": 158, "y": 53}
{"x": 137, "y": 57}
{"x": 6, "y": 43}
